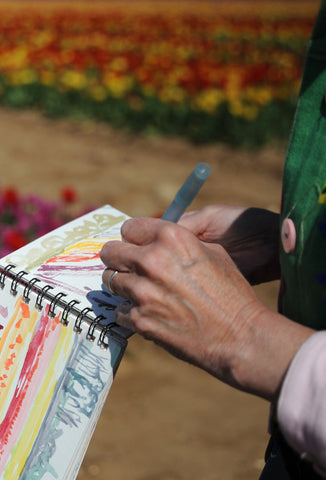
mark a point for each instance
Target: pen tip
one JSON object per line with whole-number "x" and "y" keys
{"x": 202, "y": 170}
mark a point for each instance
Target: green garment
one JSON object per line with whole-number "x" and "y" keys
{"x": 303, "y": 289}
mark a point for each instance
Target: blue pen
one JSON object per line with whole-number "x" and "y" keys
{"x": 187, "y": 192}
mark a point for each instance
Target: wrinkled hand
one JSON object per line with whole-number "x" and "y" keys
{"x": 250, "y": 236}
{"x": 190, "y": 299}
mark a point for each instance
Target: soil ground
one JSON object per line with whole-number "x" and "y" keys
{"x": 164, "y": 419}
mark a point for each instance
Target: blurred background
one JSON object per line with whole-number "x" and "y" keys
{"x": 116, "y": 102}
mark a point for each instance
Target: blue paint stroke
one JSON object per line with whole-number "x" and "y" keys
{"x": 85, "y": 372}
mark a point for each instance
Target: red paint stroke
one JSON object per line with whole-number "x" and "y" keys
{"x": 32, "y": 358}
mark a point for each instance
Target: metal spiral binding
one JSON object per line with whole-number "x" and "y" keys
{"x": 54, "y": 303}
{"x": 79, "y": 319}
{"x": 40, "y": 296}
{"x": 4, "y": 274}
{"x": 104, "y": 345}
{"x": 15, "y": 281}
{"x": 85, "y": 316}
{"x": 65, "y": 313}
{"x": 28, "y": 288}
{"x": 105, "y": 331}
{"x": 90, "y": 333}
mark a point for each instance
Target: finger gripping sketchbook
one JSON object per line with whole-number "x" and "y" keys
{"x": 59, "y": 347}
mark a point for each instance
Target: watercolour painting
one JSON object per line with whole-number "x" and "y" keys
{"x": 53, "y": 379}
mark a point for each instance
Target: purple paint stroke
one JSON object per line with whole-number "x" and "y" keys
{"x": 63, "y": 286}
{"x": 3, "y": 312}
{"x": 71, "y": 268}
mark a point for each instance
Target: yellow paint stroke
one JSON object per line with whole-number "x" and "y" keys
{"x": 89, "y": 244}
{"x": 77, "y": 252}
{"x": 87, "y": 249}
{"x": 13, "y": 346}
{"x": 33, "y": 255}
{"x": 41, "y": 404}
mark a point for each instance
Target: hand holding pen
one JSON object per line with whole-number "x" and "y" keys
{"x": 182, "y": 200}
{"x": 181, "y": 293}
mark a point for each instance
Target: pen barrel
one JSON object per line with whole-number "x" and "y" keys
{"x": 173, "y": 212}
{"x": 187, "y": 192}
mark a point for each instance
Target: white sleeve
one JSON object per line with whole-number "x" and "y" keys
{"x": 301, "y": 409}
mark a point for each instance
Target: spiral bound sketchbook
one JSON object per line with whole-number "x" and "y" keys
{"x": 59, "y": 348}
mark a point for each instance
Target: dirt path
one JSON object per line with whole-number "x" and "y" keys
{"x": 164, "y": 420}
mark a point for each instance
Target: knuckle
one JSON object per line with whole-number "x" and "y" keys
{"x": 105, "y": 277}
{"x": 168, "y": 232}
{"x": 141, "y": 323}
{"x": 149, "y": 260}
{"x": 104, "y": 253}
{"x": 172, "y": 236}
{"x": 107, "y": 251}
{"x": 143, "y": 292}
{"x": 126, "y": 226}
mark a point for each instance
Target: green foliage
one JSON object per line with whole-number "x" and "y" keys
{"x": 272, "y": 123}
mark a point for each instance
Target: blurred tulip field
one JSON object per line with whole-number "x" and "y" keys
{"x": 114, "y": 102}
{"x": 26, "y": 217}
{"x": 209, "y": 71}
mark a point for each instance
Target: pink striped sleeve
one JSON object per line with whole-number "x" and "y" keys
{"x": 301, "y": 410}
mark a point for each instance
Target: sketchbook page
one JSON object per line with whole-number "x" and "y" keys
{"x": 69, "y": 258}
{"x": 105, "y": 220}
{"x": 53, "y": 384}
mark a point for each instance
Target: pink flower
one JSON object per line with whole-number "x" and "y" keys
{"x": 22, "y": 219}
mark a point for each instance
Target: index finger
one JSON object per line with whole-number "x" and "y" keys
{"x": 117, "y": 255}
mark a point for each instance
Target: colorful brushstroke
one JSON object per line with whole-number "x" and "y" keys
{"x": 68, "y": 258}
{"x": 53, "y": 385}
